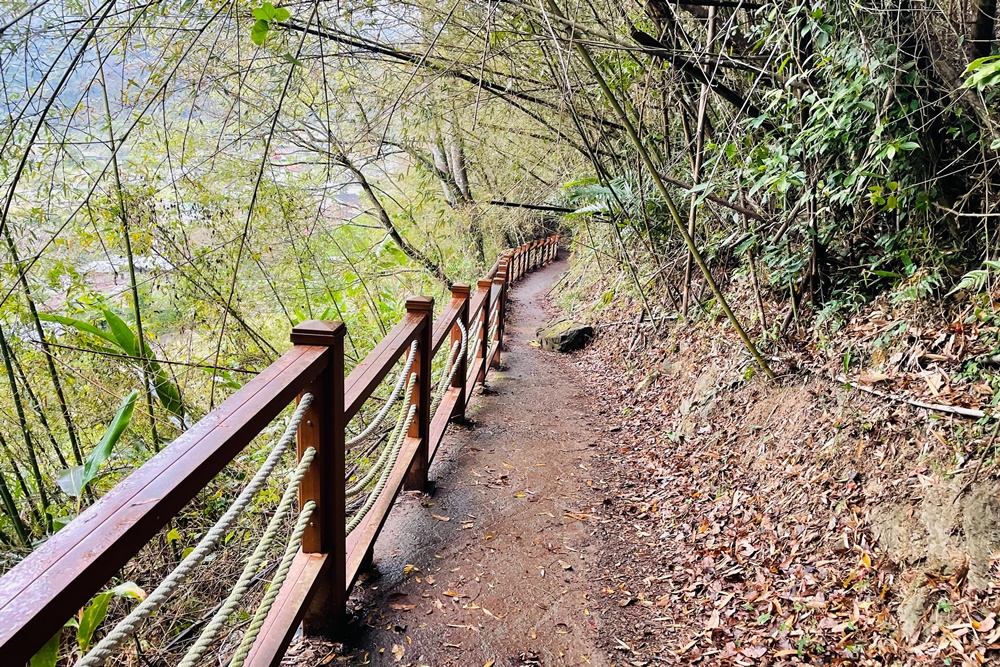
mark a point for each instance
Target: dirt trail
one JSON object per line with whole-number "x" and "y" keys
{"x": 495, "y": 567}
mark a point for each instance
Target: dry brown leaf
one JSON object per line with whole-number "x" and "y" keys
{"x": 440, "y": 518}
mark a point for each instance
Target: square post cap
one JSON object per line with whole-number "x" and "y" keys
{"x": 420, "y": 304}
{"x": 461, "y": 289}
{"x": 484, "y": 284}
{"x": 317, "y": 332}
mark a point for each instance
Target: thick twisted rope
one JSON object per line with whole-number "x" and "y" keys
{"x": 128, "y": 626}
{"x": 474, "y": 337}
{"x": 450, "y": 370}
{"x": 389, "y": 401}
{"x": 359, "y": 487}
{"x": 257, "y": 559}
{"x": 377, "y": 491}
{"x": 291, "y": 549}
{"x": 494, "y": 328}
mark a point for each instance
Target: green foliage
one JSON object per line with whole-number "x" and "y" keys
{"x": 983, "y": 73}
{"x": 90, "y": 619}
{"x": 126, "y": 343}
{"x": 264, "y": 16}
{"x": 77, "y": 478}
{"x": 48, "y": 656}
{"x": 976, "y": 279}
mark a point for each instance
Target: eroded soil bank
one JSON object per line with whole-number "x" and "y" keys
{"x": 749, "y": 522}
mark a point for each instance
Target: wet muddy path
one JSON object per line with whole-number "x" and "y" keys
{"x": 495, "y": 567}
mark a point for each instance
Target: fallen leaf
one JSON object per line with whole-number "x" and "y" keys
{"x": 440, "y": 518}
{"x": 398, "y": 651}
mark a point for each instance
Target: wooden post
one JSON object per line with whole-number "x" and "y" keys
{"x": 484, "y": 334}
{"x": 421, "y": 307}
{"x": 322, "y": 428}
{"x": 461, "y": 292}
{"x": 501, "y": 306}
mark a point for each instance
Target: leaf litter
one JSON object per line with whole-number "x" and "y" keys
{"x": 747, "y": 523}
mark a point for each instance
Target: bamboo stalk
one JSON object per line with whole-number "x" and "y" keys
{"x": 22, "y": 419}
{"x": 44, "y": 343}
{"x": 651, "y": 168}
{"x": 21, "y": 483}
{"x": 699, "y": 150}
{"x": 126, "y": 237}
{"x": 12, "y": 513}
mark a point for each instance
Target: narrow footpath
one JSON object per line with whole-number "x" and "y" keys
{"x": 498, "y": 566}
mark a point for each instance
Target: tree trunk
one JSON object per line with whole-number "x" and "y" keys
{"x": 984, "y": 31}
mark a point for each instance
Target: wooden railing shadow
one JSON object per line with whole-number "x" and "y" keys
{"x": 52, "y": 584}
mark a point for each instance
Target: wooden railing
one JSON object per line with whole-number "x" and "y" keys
{"x": 48, "y": 587}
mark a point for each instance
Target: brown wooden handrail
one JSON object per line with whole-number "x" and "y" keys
{"x": 44, "y": 590}
{"x": 50, "y": 585}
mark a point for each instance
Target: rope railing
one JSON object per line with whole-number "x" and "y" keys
{"x": 336, "y": 519}
{"x": 380, "y": 417}
{"x": 274, "y": 588}
{"x": 451, "y": 368}
{"x": 474, "y": 336}
{"x": 127, "y": 627}
{"x": 257, "y": 560}
{"x": 395, "y": 440}
{"x": 356, "y": 520}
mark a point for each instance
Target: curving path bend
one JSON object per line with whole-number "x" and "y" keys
{"x": 498, "y": 566}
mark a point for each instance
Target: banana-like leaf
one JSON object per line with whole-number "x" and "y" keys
{"x": 91, "y": 618}
{"x": 48, "y": 655}
{"x": 74, "y": 480}
{"x": 126, "y": 342}
{"x": 165, "y": 390}
{"x": 79, "y": 325}
{"x": 123, "y": 335}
